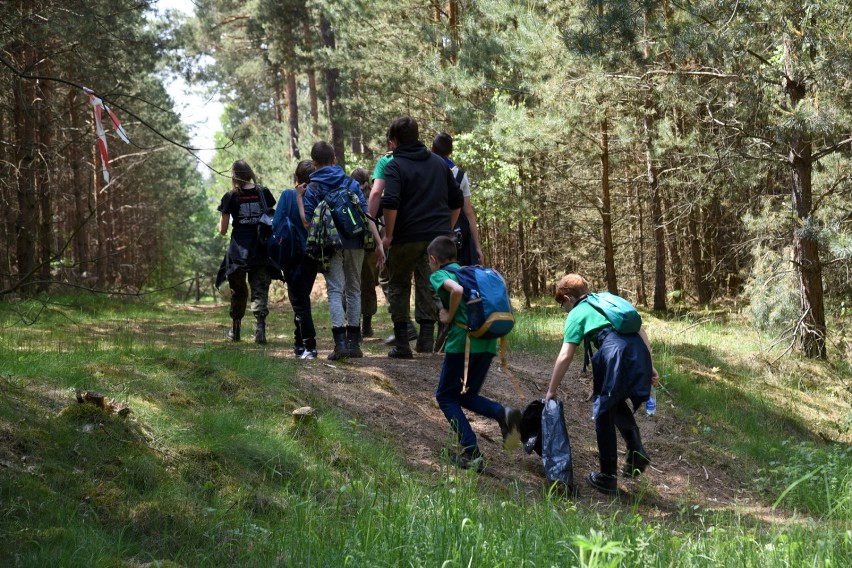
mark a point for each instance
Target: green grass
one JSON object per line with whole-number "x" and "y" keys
{"x": 210, "y": 469}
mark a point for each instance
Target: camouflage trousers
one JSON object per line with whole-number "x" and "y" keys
{"x": 405, "y": 260}
{"x": 259, "y": 281}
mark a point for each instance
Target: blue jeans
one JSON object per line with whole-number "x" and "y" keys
{"x": 451, "y": 401}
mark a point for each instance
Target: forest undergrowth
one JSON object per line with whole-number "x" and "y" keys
{"x": 196, "y": 458}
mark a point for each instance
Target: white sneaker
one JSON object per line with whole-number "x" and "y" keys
{"x": 308, "y": 354}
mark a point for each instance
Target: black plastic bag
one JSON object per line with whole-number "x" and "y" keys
{"x": 555, "y": 445}
{"x": 531, "y": 427}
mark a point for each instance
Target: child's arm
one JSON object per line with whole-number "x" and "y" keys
{"x": 655, "y": 376}
{"x": 559, "y": 369}
{"x": 455, "y": 289}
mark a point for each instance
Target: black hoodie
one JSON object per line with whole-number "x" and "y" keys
{"x": 422, "y": 190}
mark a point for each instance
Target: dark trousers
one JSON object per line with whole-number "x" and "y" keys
{"x": 620, "y": 417}
{"x": 369, "y": 279}
{"x": 451, "y": 401}
{"x": 404, "y": 260}
{"x": 299, "y": 286}
{"x": 259, "y": 280}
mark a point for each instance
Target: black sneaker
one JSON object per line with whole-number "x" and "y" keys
{"x": 469, "y": 460}
{"x": 510, "y": 428}
{"x": 636, "y": 463}
{"x": 606, "y": 484}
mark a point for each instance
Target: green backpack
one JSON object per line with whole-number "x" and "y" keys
{"x": 618, "y": 311}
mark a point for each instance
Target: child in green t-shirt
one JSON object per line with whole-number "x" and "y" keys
{"x": 442, "y": 253}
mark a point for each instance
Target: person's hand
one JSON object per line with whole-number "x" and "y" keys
{"x": 380, "y": 256}
{"x": 386, "y": 241}
{"x": 444, "y": 316}
{"x": 480, "y": 258}
{"x": 549, "y": 396}
{"x": 301, "y": 189}
{"x": 655, "y": 377}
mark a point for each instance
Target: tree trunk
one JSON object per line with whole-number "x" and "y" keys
{"x": 277, "y": 94}
{"x": 606, "y": 212}
{"x": 293, "y": 112}
{"x": 525, "y": 274}
{"x": 27, "y": 222}
{"x": 638, "y": 240}
{"x": 43, "y": 176}
{"x": 80, "y": 217}
{"x": 6, "y": 233}
{"x": 312, "y": 83}
{"x": 672, "y": 245}
{"x": 702, "y": 287}
{"x": 656, "y": 211}
{"x": 811, "y": 333}
{"x": 332, "y": 93}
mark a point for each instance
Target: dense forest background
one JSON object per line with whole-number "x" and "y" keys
{"x": 679, "y": 154}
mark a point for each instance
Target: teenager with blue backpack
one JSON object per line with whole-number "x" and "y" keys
{"x": 469, "y": 351}
{"x": 286, "y": 250}
{"x": 622, "y": 370}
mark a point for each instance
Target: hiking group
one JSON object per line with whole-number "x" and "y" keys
{"x": 412, "y": 220}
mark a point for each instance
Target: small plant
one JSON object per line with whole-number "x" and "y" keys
{"x": 595, "y": 551}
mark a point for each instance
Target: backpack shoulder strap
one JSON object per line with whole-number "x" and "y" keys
{"x": 459, "y": 175}
{"x": 260, "y": 191}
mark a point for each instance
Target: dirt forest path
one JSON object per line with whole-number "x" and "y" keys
{"x": 395, "y": 399}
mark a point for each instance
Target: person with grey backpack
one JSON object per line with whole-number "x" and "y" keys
{"x": 248, "y": 208}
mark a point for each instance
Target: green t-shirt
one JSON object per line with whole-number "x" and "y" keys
{"x": 379, "y": 170}
{"x": 457, "y": 336}
{"x": 583, "y": 320}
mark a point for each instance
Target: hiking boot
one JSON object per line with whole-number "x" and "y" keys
{"x": 401, "y": 353}
{"x": 340, "y": 349}
{"x": 234, "y": 332}
{"x": 426, "y": 338}
{"x": 510, "y": 428}
{"x": 606, "y": 484}
{"x": 635, "y": 464}
{"x": 260, "y": 331}
{"x": 353, "y": 341}
{"x": 401, "y": 349}
{"x": 412, "y": 335}
{"x": 469, "y": 460}
{"x": 367, "y": 327}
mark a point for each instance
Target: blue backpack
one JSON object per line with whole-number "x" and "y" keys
{"x": 489, "y": 310}
{"x": 618, "y": 311}
{"x": 285, "y": 248}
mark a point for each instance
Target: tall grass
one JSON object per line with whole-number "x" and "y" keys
{"x": 211, "y": 470}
